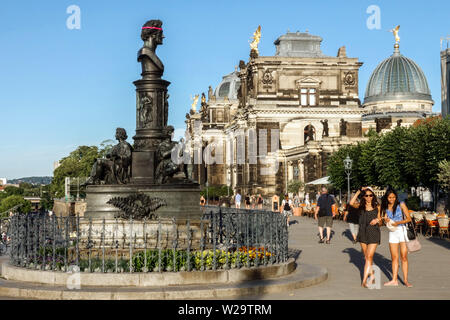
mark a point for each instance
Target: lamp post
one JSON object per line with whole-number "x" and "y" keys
{"x": 207, "y": 198}
{"x": 348, "y": 170}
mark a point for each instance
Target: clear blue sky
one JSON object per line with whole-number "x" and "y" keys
{"x": 62, "y": 88}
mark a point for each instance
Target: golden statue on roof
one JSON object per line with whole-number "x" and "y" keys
{"x": 395, "y": 32}
{"x": 256, "y": 38}
{"x": 194, "y": 103}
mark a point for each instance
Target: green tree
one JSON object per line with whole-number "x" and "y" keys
{"x": 443, "y": 176}
{"x": 216, "y": 191}
{"x": 13, "y": 201}
{"x": 336, "y": 169}
{"x": 11, "y": 190}
{"x": 366, "y": 161}
{"x": 390, "y": 157}
{"x": 78, "y": 164}
{"x": 295, "y": 185}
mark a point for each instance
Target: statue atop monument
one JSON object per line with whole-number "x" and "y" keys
{"x": 116, "y": 167}
{"x": 152, "y": 35}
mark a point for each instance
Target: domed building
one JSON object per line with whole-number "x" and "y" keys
{"x": 397, "y": 92}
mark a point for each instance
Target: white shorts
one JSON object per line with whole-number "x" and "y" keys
{"x": 398, "y": 235}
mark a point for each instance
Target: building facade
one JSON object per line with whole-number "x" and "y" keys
{"x": 279, "y": 118}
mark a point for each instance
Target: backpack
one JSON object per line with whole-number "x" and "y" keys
{"x": 286, "y": 207}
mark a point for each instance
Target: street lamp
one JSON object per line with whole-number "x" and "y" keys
{"x": 207, "y": 198}
{"x": 348, "y": 170}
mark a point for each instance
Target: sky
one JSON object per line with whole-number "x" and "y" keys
{"x": 63, "y": 87}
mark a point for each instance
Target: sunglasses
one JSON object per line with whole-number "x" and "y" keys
{"x": 369, "y": 196}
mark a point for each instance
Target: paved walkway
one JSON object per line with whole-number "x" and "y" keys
{"x": 429, "y": 269}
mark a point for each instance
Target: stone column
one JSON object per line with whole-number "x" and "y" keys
{"x": 151, "y": 119}
{"x": 301, "y": 167}
{"x": 290, "y": 171}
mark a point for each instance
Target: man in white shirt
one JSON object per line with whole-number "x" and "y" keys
{"x": 237, "y": 200}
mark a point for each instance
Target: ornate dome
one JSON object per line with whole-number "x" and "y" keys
{"x": 228, "y": 87}
{"x": 397, "y": 78}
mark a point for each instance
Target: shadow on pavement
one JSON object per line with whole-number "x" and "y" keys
{"x": 347, "y": 234}
{"x": 442, "y": 242}
{"x": 357, "y": 258}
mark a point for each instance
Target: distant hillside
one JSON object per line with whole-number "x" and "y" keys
{"x": 32, "y": 180}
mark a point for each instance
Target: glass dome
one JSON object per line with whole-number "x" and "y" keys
{"x": 397, "y": 78}
{"x": 228, "y": 87}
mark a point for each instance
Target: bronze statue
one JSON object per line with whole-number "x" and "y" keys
{"x": 211, "y": 96}
{"x": 203, "y": 99}
{"x": 152, "y": 35}
{"x": 343, "y": 127}
{"x": 165, "y": 168}
{"x": 116, "y": 167}
{"x": 399, "y": 122}
{"x": 325, "y": 127}
{"x": 309, "y": 133}
{"x": 145, "y": 109}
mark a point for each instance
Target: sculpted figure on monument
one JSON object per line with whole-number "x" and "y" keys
{"x": 325, "y": 127}
{"x": 343, "y": 127}
{"x": 145, "y": 109}
{"x": 116, "y": 167}
{"x": 211, "y": 96}
{"x": 166, "y": 168}
{"x": 152, "y": 35}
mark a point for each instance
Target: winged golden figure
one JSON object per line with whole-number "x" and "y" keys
{"x": 194, "y": 103}
{"x": 395, "y": 32}
{"x": 256, "y": 38}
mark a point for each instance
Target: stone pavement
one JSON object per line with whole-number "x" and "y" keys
{"x": 429, "y": 269}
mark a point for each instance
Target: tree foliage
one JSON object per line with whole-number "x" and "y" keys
{"x": 78, "y": 164}
{"x": 12, "y": 201}
{"x": 444, "y": 174}
{"x": 295, "y": 185}
{"x": 403, "y": 157}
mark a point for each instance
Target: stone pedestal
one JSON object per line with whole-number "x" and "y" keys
{"x": 182, "y": 199}
{"x": 151, "y": 119}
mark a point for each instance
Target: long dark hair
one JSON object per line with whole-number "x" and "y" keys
{"x": 362, "y": 204}
{"x": 385, "y": 202}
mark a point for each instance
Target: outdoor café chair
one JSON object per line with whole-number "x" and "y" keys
{"x": 443, "y": 227}
{"x": 418, "y": 221}
{"x": 431, "y": 223}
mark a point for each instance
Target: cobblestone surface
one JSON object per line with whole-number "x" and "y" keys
{"x": 429, "y": 269}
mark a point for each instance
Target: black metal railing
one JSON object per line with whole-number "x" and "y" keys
{"x": 223, "y": 238}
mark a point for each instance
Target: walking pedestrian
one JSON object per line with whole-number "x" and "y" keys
{"x": 288, "y": 208}
{"x": 369, "y": 228}
{"x": 351, "y": 216}
{"x": 260, "y": 201}
{"x": 325, "y": 212}
{"x": 247, "y": 201}
{"x": 237, "y": 200}
{"x": 253, "y": 201}
{"x": 396, "y": 214}
{"x": 308, "y": 204}
{"x": 202, "y": 201}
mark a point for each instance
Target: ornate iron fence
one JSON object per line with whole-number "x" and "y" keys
{"x": 4, "y": 235}
{"x": 224, "y": 238}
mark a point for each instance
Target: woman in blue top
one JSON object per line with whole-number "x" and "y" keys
{"x": 397, "y": 215}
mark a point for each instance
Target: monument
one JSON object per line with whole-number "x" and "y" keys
{"x": 143, "y": 180}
